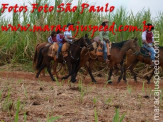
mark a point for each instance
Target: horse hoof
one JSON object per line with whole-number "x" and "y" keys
{"x": 94, "y": 81}
{"x": 110, "y": 82}
{"x": 148, "y": 82}
{"x": 63, "y": 78}
{"x": 73, "y": 81}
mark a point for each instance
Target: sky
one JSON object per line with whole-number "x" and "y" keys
{"x": 155, "y": 6}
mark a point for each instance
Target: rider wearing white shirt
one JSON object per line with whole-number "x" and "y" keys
{"x": 68, "y": 34}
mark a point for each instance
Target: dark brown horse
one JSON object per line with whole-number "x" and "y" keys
{"x": 133, "y": 59}
{"x": 118, "y": 51}
{"x": 74, "y": 55}
{"x": 72, "y": 60}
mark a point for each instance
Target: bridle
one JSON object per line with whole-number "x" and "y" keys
{"x": 88, "y": 46}
{"x": 88, "y": 52}
{"x": 136, "y": 52}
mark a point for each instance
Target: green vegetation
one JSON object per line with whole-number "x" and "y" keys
{"x": 117, "y": 117}
{"x": 19, "y": 47}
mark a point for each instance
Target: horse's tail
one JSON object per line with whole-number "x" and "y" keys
{"x": 35, "y": 57}
{"x": 40, "y": 59}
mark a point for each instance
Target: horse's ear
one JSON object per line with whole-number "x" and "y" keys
{"x": 135, "y": 39}
{"x": 86, "y": 35}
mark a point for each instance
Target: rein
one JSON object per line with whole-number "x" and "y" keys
{"x": 88, "y": 52}
{"x": 87, "y": 46}
{"x": 72, "y": 56}
{"x": 136, "y": 53}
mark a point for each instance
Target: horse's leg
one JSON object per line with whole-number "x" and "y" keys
{"x": 49, "y": 71}
{"x": 75, "y": 69}
{"x": 55, "y": 69}
{"x": 110, "y": 74}
{"x": 124, "y": 74}
{"x": 120, "y": 77}
{"x": 90, "y": 72}
{"x": 149, "y": 78}
{"x": 69, "y": 65}
{"x": 131, "y": 68}
{"x": 39, "y": 71}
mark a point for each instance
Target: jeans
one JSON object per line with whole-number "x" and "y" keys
{"x": 59, "y": 49}
{"x": 105, "y": 50}
{"x": 151, "y": 50}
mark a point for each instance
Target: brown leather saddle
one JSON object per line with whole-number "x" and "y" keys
{"x": 144, "y": 52}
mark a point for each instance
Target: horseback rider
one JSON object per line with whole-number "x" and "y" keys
{"x": 60, "y": 41}
{"x": 104, "y": 38}
{"x": 68, "y": 34}
{"x": 148, "y": 40}
{"x": 52, "y": 37}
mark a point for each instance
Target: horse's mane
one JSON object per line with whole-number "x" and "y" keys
{"x": 119, "y": 44}
{"x": 76, "y": 42}
{"x": 161, "y": 47}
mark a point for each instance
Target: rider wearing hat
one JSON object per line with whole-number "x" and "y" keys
{"x": 148, "y": 40}
{"x": 68, "y": 34}
{"x": 60, "y": 40}
{"x": 104, "y": 38}
{"x": 52, "y": 37}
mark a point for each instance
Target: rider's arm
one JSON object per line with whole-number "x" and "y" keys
{"x": 50, "y": 39}
{"x": 153, "y": 39}
{"x": 144, "y": 38}
{"x": 101, "y": 37}
{"x": 106, "y": 36}
{"x": 58, "y": 38}
{"x": 68, "y": 35}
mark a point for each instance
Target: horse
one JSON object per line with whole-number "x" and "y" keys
{"x": 118, "y": 51}
{"x": 72, "y": 60}
{"x": 37, "y": 49}
{"x": 132, "y": 60}
{"x": 44, "y": 60}
{"x": 74, "y": 56}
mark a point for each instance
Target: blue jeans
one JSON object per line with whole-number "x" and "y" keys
{"x": 151, "y": 50}
{"x": 105, "y": 50}
{"x": 59, "y": 49}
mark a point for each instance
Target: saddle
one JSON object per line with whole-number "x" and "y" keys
{"x": 144, "y": 52}
{"x": 54, "y": 48}
{"x": 99, "y": 49}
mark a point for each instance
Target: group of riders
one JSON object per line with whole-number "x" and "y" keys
{"x": 60, "y": 38}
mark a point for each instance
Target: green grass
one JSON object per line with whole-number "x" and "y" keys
{"x": 19, "y": 47}
{"x": 129, "y": 88}
{"x": 17, "y": 111}
{"x": 117, "y": 117}
{"x": 52, "y": 119}
{"x": 83, "y": 91}
{"x": 95, "y": 115}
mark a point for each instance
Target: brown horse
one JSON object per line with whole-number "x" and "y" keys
{"x": 44, "y": 61}
{"x": 52, "y": 52}
{"x": 118, "y": 51}
{"x": 37, "y": 49}
{"x": 133, "y": 59}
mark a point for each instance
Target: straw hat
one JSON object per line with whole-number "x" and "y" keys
{"x": 105, "y": 20}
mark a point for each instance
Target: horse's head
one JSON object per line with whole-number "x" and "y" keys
{"x": 87, "y": 43}
{"x": 134, "y": 46}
